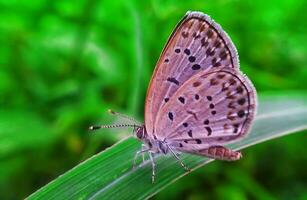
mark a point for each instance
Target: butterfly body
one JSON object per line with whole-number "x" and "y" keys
{"x": 153, "y": 145}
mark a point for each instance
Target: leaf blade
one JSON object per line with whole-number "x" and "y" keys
{"x": 109, "y": 175}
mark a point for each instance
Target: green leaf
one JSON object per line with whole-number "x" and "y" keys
{"x": 109, "y": 174}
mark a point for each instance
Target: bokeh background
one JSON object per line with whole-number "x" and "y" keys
{"x": 64, "y": 63}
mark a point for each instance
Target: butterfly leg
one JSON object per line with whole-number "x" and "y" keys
{"x": 153, "y": 164}
{"x": 142, "y": 151}
{"x": 143, "y": 154}
{"x": 221, "y": 153}
{"x": 178, "y": 159}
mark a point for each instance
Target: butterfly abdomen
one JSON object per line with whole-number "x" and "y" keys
{"x": 221, "y": 153}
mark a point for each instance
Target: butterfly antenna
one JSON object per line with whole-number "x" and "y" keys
{"x": 123, "y": 116}
{"x": 112, "y": 126}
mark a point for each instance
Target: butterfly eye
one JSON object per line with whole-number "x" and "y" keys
{"x": 140, "y": 133}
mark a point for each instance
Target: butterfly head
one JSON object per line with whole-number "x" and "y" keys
{"x": 140, "y": 132}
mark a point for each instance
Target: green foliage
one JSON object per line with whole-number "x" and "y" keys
{"x": 31, "y": 131}
{"x": 64, "y": 63}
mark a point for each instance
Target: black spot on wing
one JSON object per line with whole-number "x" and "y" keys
{"x": 196, "y": 67}
{"x": 208, "y": 130}
{"x": 181, "y": 99}
{"x": 190, "y": 133}
{"x": 187, "y": 51}
{"x": 173, "y": 80}
{"x": 170, "y": 116}
{"x": 241, "y": 101}
{"x": 241, "y": 113}
{"x": 192, "y": 58}
{"x": 206, "y": 122}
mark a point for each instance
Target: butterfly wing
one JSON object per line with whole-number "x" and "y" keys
{"x": 196, "y": 44}
{"x": 212, "y": 108}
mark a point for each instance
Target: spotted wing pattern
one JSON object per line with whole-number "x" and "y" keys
{"x": 197, "y": 44}
{"x": 212, "y": 108}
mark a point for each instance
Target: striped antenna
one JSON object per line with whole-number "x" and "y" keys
{"x": 135, "y": 124}
{"x": 112, "y": 126}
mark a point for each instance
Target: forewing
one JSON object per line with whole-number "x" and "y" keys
{"x": 197, "y": 43}
{"x": 212, "y": 108}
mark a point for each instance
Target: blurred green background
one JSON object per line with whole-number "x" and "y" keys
{"x": 64, "y": 63}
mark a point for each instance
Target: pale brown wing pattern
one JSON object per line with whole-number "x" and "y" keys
{"x": 213, "y": 107}
{"x": 197, "y": 43}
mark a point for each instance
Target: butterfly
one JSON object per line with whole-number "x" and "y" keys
{"x": 197, "y": 100}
